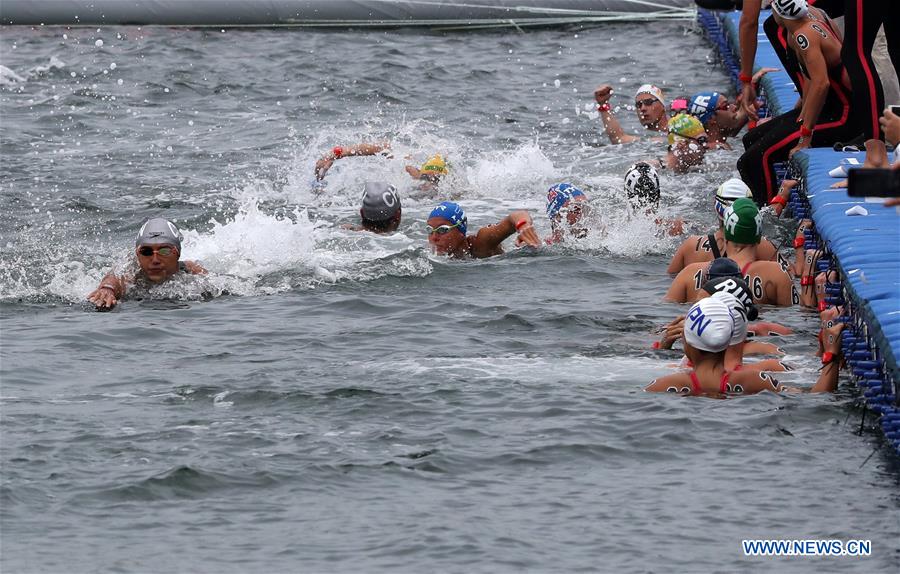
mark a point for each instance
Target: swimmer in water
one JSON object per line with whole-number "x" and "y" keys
{"x": 157, "y": 251}
{"x": 720, "y": 118}
{"x": 649, "y": 106}
{"x": 429, "y": 174}
{"x": 642, "y": 190}
{"x": 447, "y": 226}
{"x": 380, "y": 211}
{"x": 709, "y": 329}
{"x": 769, "y": 282}
{"x": 700, "y": 248}
{"x": 567, "y": 209}
{"x": 687, "y": 144}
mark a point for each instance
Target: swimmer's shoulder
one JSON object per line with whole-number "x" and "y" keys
{"x": 679, "y": 383}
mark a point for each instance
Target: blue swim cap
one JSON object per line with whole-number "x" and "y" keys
{"x": 558, "y": 195}
{"x": 453, "y": 213}
{"x": 703, "y": 105}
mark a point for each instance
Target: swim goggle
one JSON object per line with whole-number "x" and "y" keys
{"x": 147, "y": 251}
{"x": 702, "y": 140}
{"x": 441, "y": 229}
{"x": 645, "y": 102}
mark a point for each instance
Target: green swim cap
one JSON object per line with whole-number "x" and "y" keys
{"x": 742, "y": 222}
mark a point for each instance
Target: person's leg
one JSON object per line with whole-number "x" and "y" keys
{"x": 756, "y": 165}
{"x": 862, "y": 19}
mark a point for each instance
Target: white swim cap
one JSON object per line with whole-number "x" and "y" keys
{"x": 791, "y": 9}
{"x": 738, "y": 313}
{"x": 159, "y": 231}
{"x": 642, "y": 185}
{"x": 709, "y": 325}
{"x": 730, "y": 190}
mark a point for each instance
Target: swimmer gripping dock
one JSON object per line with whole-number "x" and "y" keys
{"x": 863, "y": 250}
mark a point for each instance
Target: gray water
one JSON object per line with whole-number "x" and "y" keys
{"x": 327, "y": 400}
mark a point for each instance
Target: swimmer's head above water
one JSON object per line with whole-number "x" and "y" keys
{"x": 726, "y": 194}
{"x": 158, "y": 247}
{"x": 380, "y": 211}
{"x": 447, "y": 225}
{"x": 566, "y": 206}
{"x": 650, "y": 106}
{"x": 642, "y": 186}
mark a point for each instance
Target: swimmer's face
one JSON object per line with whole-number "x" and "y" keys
{"x": 158, "y": 262}
{"x": 445, "y": 243}
{"x": 687, "y": 153}
{"x": 726, "y": 116}
{"x": 649, "y": 110}
{"x": 573, "y": 213}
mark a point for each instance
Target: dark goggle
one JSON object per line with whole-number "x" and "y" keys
{"x": 161, "y": 251}
{"x": 645, "y": 102}
{"x": 440, "y": 229}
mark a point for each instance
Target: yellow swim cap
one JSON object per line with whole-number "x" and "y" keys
{"x": 435, "y": 166}
{"x": 685, "y": 126}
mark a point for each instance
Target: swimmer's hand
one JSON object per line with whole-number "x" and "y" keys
{"x": 323, "y": 165}
{"x": 103, "y": 297}
{"x": 194, "y": 268}
{"x": 413, "y": 172}
{"x": 527, "y": 235}
{"x": 748, "y": 102}
{"x": 802, "y": 144}
{"x": 673, "y": 332}
{"x": 602, "y": 94}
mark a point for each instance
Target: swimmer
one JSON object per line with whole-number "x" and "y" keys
{"x": 380, "y": 211}
{"x": 566, "y": 209}
{"x": 687, "y": 144}
{"x": 447, "y": 226}
{"x": 769, "y": 281}
{"x": 157, "y": 251}
{"x": 642, "y": 190}
{"x": 429, "y": 174}
{"x": 649, "y": 106}
{"x": 720, "y": 118}
{"x": 709, "y": 330}
{"x": 699, "y": 248}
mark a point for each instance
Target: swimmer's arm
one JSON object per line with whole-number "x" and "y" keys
{"x": 194, "y": 268}
{"x": 324, "y": 164}
{"x": 677, "y": 263}
{"x": 828, "y": 376}
{"x": 747, "y": 31}
{"x": 755, "y": 382}
{"x": 817, "y": 89}
{"x": 413, "y": 172}
{"x": 614, "y": 130}
{"x": 108, "y": 293}
{"x": 678, "y": 291}
{"x": 488, "y": 239}
{"x": 679, "y": 382}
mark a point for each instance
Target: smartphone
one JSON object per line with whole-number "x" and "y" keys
{"x": 895, "y": 110}
{"x": 873, "y": 182}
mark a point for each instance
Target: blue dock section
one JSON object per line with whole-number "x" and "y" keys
{"x": 863, "y": 251}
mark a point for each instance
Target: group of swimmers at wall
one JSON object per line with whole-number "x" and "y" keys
{"x": 726, "y": 275}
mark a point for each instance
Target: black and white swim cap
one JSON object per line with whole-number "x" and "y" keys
{"x": 159, "y": 231}
{"x": 642, "y": 184}
{"x": 380, "y": 201}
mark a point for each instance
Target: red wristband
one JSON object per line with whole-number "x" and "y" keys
{"x": 822, "y": 305}
{"x": 522, "y": 224}
{"x": 603, "y": 108}
{"x": 778, "y": 199}
{"x": 799, "y": 242}
{"x": 744, "y": 78}
{"x": 338, "y": 151}
{"x": 827, "y": 357}
{"x": 655, "y": 345}
{"x": 805, "y": 132}
{"x": 806, "y": 280}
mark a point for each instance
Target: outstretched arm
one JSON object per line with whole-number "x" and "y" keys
{"x": 488, "y": 239}
{"x": 324, "y": 164}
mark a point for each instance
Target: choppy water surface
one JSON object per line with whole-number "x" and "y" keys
{"x": 334, "y": 401}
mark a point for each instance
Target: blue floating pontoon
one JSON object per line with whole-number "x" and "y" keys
{"x": 863, "y": 250}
